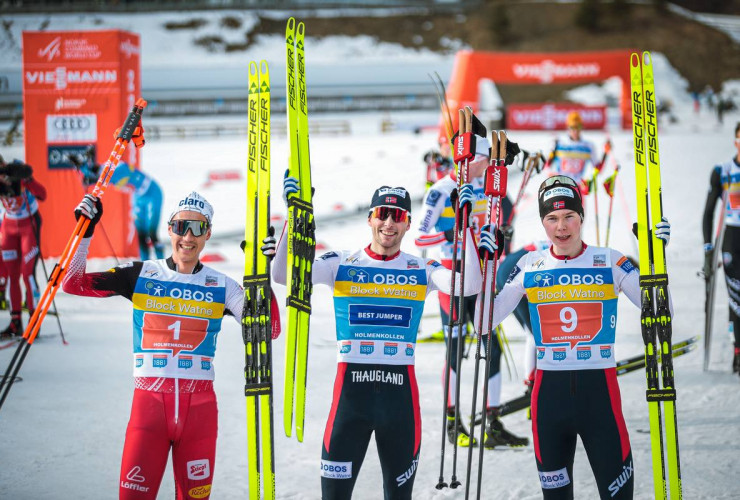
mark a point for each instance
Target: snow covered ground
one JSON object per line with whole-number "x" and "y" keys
{"x": 63, "y": 425}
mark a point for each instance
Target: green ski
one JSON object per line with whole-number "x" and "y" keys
{"x": 301, "y": 234}
{"x": 655, "y": 315}
{"x": 256, "y": 316}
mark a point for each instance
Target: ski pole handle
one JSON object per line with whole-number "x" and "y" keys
{"x": 465, "y": 142}
{"x": 496, "y": 180}
{"x": 132, "y": 121}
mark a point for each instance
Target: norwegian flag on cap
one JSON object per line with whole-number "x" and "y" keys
{"x": 391, "y": 197}
{"x": 557, "y": 205}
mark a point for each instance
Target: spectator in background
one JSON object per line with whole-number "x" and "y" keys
{"x": 20, "y": 233}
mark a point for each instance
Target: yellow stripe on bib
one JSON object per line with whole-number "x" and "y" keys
{"x": 349, "y": 289}
{"x": 569, "y": 293}
{"x": 168, "y": 305}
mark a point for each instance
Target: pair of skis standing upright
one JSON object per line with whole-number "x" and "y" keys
{"x": 256, "y": 316}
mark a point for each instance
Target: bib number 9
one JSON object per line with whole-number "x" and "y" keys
{"x": 569, "y": 318}
{"x": 570, "y": 322}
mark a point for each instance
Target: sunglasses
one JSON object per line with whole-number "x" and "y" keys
{"x": 397, "y": 214}
{"x": 181, "y": 226}
{"x": 559, "y": 179}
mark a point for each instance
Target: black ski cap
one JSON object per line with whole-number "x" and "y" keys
{"x": 557, "y": 193}
{"x": 386, "y": 196}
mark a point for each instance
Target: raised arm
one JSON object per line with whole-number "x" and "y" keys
{"x": 120, "y": 280}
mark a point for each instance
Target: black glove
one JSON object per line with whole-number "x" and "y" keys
{"x": 708, "y": 261}
{"x": 512, "y": 149}
{"x": 91, "y": 208}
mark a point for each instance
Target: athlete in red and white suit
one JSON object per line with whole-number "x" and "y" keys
{"x": 19, "y": 233}
{"x": 178, "y": 307}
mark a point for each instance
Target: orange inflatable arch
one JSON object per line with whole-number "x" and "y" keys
{"x": 519, "y": 68}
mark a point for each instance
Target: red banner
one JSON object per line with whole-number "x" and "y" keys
{"x": 78, "y": 87}
{"x": 552, "y": 116}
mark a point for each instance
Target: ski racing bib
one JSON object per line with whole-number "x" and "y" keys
{"x": 730, "y": 178}
{"x": 573, "y": 308}
{"x": 378, "y": 308}
{"x": 21, "y": 206}
{"x": 572, "y": 157}
{"x": 177, "y": 318}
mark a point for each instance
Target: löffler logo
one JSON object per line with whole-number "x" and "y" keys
{"x": 134, "y": 475}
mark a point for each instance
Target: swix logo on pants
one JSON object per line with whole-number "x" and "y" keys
{"x": 621, "y": 479}
{"x": 135, "y": 477}
{"x": 401, "y": 480}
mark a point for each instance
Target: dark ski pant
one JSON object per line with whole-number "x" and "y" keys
{"x": 368, "y": 398}
{"x": 586, "y": 403}
{"x": 731, "y": 263}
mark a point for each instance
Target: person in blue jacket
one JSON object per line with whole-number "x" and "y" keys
{"x": 146, "y": 198}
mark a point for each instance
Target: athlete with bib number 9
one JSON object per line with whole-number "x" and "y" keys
{"x": 178, "y": 306}
{"x": 572, "y": 289}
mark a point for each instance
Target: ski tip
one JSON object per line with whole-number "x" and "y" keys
{"x": 301, "y": 29}
{"x": 634, "y": 59}
{"x": 263, "y": 66}
{"x": 647, "y": 59}
{"x": 291, "y": 23}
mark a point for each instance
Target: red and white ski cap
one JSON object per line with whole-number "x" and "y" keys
{"x": 194, "y": 202}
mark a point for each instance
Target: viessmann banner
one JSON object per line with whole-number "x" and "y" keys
{"x": 78, "y": 87}
{"x": 552, "y": 116}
